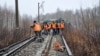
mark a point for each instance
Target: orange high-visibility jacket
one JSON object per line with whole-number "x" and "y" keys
{"x": 37, "y": 27}
{"x": 54, "y": 25}
{"x": 62, "y": 25}
{"x": 56, "y": 45}
{"x": 49, "y": 26}
{"x": 46, "y": 27}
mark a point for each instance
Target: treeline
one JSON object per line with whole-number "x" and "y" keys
{"x": 8, "y": 32}
{"x": 74, "y": 17}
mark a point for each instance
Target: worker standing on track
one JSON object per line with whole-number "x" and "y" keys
{"x": 61, "y": 27}
{"x": 37, "y": 28}
{"x": 49, "y": 28}
{"x": 57, "y": 27}
{"x": 54, "y": 27}
{"x": 45, "y": 28}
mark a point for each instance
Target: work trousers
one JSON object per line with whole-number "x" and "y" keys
{"x": 54, "y": 31}
{"x": 57, "y": 30}
{"x": 38, "y": 33}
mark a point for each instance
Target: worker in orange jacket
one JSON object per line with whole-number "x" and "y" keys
{"x": 46, "y": 28}
{"x": 58, "y": 27}
{"x": 54, "y": 26}
{"x": 61, "y": 26}
{"x": 37, "y": 28}
{"x": 49, "y": 27}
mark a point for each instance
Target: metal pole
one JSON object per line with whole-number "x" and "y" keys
{"x": 17, "y": 15}
{"x": 16, "y": 35}
{"x": 38, "y": 12}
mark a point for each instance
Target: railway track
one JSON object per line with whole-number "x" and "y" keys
{"x": 49, "y": 50}
{"x": 35, "y": 48}
{"x": 12, "y": 49}
{"x": 42, "y": 49}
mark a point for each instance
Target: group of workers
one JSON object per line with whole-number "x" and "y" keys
{"x": 56, "y": 26}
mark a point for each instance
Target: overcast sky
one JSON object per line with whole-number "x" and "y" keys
{"x": 29, "y": 7}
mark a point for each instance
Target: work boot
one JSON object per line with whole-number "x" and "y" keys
{"x": 34, "y": 38}
{"x": 40, "y": 39}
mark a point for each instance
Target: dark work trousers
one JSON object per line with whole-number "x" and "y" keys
{"x": 49, "y": 31}
{"x": 38, "y": 33}
{"x": 54, "y": 31}
{"x": 46, "y": 32}
{"x": 57, "y": 30}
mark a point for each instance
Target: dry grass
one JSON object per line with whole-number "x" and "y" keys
{"x": 81, "y": 44}
{"x": 9, "y": 37}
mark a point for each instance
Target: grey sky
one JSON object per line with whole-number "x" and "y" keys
{"x": 30, "y": 6}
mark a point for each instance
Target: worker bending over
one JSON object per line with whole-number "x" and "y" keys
{"x": 58, "y": 47}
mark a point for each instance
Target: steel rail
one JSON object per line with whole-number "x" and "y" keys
{"x": 67, "y": 47}
{"x": 13, "y": 48}
{"x": 46, "y": 49}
